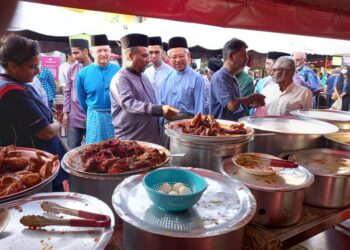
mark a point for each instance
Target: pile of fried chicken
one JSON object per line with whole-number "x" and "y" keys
{"x": 115, "y": 156}
{"x": 206, "y": 125}
{"x": 18, "y": 172}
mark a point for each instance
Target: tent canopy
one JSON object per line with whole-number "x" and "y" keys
{"x": 67, "y": 22}
{"x": 322, "y": 18}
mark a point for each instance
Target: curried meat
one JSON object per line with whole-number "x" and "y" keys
{"x": 115, "y": 156}
{"x": 206, "y": 125}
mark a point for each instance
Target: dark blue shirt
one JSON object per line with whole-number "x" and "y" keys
{"x": 224, "y": 88}
{"x": 330, "y": 84}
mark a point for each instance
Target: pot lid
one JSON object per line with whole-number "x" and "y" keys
{"x": 323, "y": 114}
{"x": 289, "y": 125}
{"x": 323, "y": 161}
{"x": 288, "y": 179}
{"x": 225, "y": 206}
{"x": 17, "y": 236}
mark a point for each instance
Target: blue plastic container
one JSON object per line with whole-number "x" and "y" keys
{"x": 153, "y": 180}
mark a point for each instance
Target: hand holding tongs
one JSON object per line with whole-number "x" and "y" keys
{"x": 90, "y": 219}
{"x": 275, "y": 162}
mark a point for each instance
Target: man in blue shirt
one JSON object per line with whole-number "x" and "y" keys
{"x": 225, "y": 97}
{"x": 183, "y": 88}
{"x": 308, "y": 75}
{"x": 93, "y": 92}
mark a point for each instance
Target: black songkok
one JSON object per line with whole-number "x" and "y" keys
{"x": 134, "y": 40}
{"x": 99, "y": 40}
{"x": 178, "y": 42}
{"x": 79, "y": 43}
{"x": 274, "y": 55}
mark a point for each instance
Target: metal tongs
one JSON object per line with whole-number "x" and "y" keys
{"x": 90, "y": 219}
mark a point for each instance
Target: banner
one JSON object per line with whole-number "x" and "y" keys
{"x": 52, "y": 63}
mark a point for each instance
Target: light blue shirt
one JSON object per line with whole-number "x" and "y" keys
{"x": 157, "y": 76}
{"x": 262, "y": 83}
{"x": 93, "y": 83}
{"x": 184, "y": 90}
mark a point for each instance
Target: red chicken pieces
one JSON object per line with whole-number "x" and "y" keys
{"x": 115, "y": 156}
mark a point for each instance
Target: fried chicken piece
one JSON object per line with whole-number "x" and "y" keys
{"x": 15, "y": 163}
{"x": 28, "y": 178}
{"x": 10, "y": 185}
{"x": 46, "y": 169}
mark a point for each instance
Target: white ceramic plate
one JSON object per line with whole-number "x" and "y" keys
{"x": 252, "y": 166}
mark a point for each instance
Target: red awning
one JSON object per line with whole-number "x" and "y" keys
{"x": 322, "y": 18}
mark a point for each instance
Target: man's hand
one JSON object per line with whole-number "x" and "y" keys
{"x": 169, "y": 112}
{"x": 255, "y": 100}
{"x": 65, "y": 120}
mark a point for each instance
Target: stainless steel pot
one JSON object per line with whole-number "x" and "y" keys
{"x": 341, "y": 119}
{"x": 98, "y": 185}
{"x": 291, "y": 133}
{"x": 331, "y": 169}
{"x": 340, "y": 140}
{"x": 279, "y": 196}
{"x": 205, "y": 151}
{"x": 216, "y": 222}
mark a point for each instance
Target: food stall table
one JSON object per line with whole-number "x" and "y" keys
{"x": 314, "y": 221}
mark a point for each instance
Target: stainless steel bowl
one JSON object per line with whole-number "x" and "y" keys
{"x": 331, "y": 169}
{"x": 341, "y": 119}
{"x": 98, "y": 185}
{"x": 291, "y": 133}
{"x": 206, "y": 151}
{"x": 340, "y": 140}
{"x": 279, "y": 197}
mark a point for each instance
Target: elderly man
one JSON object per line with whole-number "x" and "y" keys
{"x": 159, "y": 69}
{"x": 93, "y": 91}
{"x": 183, "y": 88}
{"x": 308, "y": 75}
{"x": 271, "y": 58}
{"x": 134, "y": 109}
{"x": 225, "y": 97}
{"x": 284, "y": 95}
{"x": 73, "y": 116}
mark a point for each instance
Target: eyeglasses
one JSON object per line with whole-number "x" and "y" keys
{"x": 32, "y": 66}
{"x": 278, "y": 69}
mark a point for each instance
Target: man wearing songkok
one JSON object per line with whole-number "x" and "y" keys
{"x": 284, "y": 95}
{"x": 225, "y": 97}
{"x": 214, "y": 64}
{"x": 93, "y": 91}
{"x": 159, "y": 69}
{"x": 73, "y": 116}
{"x": 134, "y": 106}
{"x": 271, "y": 57}
{"x": 165, "y": 57}
{"x": 183, "y": 88}
{"x": 307, "y": 74}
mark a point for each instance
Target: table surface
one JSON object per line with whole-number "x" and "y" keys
{"x": 314, "y": 221}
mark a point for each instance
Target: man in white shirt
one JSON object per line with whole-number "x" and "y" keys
{"x": 284, "y": 95}
{"x": 159, "y": 70}
{"x": 63, "y": 69}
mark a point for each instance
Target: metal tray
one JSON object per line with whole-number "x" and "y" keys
{"x": 288, "y": 179}
{"x": 341, "y": 119}
{"x": 289, "y": 125}
{"x": 27, "y": 153}
{"x": 199, "y": 138}
{"x": 340, "y": 141}
{"x": 17, "y": 236}
{"x": 72, "y": 160}
{"x": 323, "y": 161}
{"x": 225, "y": 206}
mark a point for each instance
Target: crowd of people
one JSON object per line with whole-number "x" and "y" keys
{"x": 155, "y": 85}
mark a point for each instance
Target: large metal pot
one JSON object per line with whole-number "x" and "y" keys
{"x": 341, "y": 119}
{"x": 206, "y": 151}
{"x": 98, "y": 185}
{"x": 279, "y": 197}
{"x": 216, "y": 222}
{"x": 340, "y": 140}
{"x": 331, "y": 169}
{"x": 290, "y": 133}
